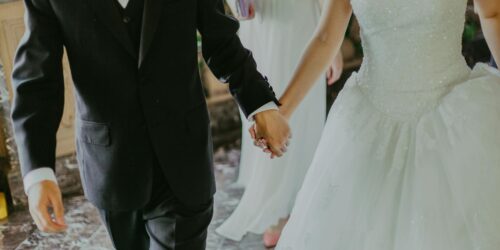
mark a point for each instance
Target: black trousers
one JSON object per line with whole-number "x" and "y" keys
{"x": 164, "y": 224}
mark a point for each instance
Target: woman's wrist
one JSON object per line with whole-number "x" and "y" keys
{"x": 285, "y": 110}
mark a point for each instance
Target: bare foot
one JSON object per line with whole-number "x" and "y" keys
{"x": 272, "y": 235}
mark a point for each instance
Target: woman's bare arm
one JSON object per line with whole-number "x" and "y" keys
{"x": 319, "y": 53}
{"x": 489, "y": 12}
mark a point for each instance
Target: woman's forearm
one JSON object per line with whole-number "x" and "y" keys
{"x": 317, "y": 57}
{"x": 489, "y": 12}
{"x": 491, "y": 30}
{"x": 323, "y": 47}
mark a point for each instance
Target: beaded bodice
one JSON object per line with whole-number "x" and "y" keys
{"x": 412, "y": 50}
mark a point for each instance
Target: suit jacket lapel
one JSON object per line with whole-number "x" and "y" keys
{"x": 151, "y": 18}
{"x": 110, "y": 16}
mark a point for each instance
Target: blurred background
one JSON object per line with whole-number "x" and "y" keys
{"x": 16, "y": 228}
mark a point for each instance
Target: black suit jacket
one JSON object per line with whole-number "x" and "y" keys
{"x": 132, "y": 108}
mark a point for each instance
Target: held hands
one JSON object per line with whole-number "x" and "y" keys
{"x": 335, "y": 70}
{"x": 271, "y": 132}
{"x": 46, "y": 207}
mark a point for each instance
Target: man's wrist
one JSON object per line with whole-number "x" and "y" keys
{"x": 38, "y": 175}
{"x": 262, "y": 116}
{"x": 266, "y": 107}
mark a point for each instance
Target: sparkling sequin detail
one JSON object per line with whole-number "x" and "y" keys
{"x": 410, "y": 62}
{"x": 409, "y": 155}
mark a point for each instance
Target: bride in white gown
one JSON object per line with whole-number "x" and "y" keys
{"x": 277, "y": 36}
{"x": 410, "y": 155}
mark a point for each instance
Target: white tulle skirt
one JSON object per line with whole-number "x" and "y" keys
{"x": 277, "y": 37}
{"x": 428, "y": 183}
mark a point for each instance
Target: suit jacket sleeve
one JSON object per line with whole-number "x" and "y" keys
{"x": 38, "y": 87}
{"x": 229, "y": 60}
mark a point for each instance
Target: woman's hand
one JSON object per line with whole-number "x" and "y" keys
{"x": 335, "y": 70}
{"x": 271, "y": 132}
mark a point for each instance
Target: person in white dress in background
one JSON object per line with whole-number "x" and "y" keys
{"x": 410, "y": 154}
{"x": 277, "y": 36}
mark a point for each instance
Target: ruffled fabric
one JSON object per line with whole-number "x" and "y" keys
{"x": 277, "y": 39}
{"x": 386, "y": 182}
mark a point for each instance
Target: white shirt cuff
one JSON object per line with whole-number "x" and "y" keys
{"x": 123, "y": 3}
{"x": 38, "y": 175}
{"x": 265, "y": 107}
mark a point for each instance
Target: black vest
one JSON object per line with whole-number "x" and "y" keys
{"x": 132, "y": 19}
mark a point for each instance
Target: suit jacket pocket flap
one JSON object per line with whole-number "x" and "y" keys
{"x": 94, "y": 133}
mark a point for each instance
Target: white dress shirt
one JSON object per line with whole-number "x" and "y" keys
{"x": 123, "y": 3}
{"x": 47, "y": 174}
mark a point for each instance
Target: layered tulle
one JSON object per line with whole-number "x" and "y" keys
{"x": 384, "y": 182}
{"x": 277, "y": 38}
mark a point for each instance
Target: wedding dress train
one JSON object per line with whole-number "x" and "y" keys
{"x": 410, "y": 155}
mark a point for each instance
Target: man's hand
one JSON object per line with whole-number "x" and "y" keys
{"x": 271, "y": 129}
{"x": 335, "y": 70}
{"x": 45, "y": 199}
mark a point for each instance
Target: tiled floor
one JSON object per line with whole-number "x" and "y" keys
{"x": 87, "y": 233}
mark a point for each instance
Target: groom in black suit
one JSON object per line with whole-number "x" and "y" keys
{"x": 143, "y": 134}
